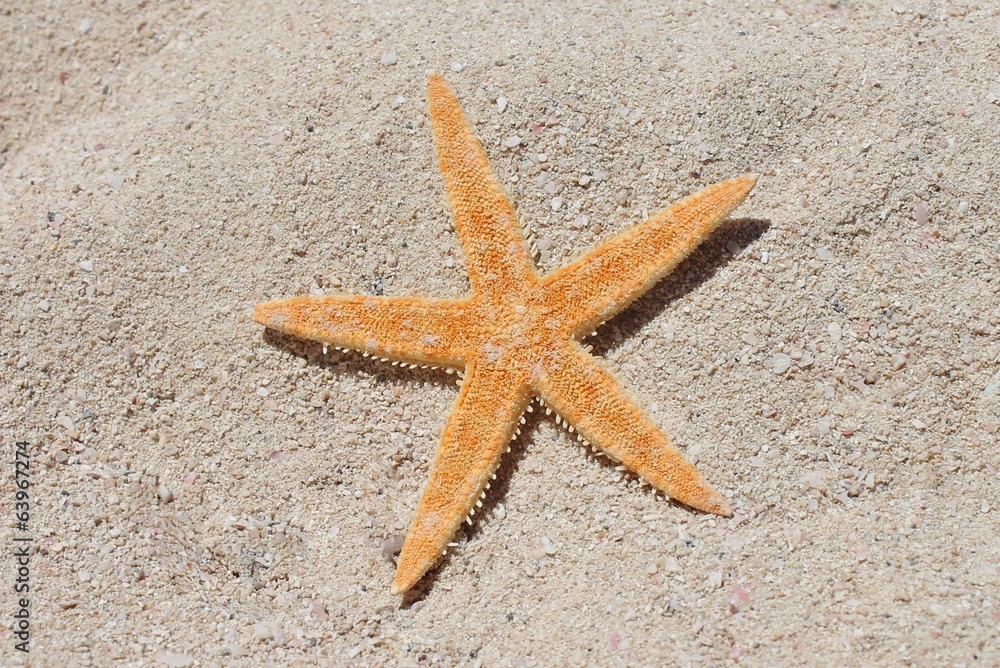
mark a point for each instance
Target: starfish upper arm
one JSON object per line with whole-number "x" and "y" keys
{"x": 611, "y": 276}
{"x": 477, "y": 433}
{"x": 584, "y": 393}
{"x": 487, "y": 226}
{"x": 424, "y": 331}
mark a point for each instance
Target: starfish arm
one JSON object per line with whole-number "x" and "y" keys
{"x": 411, "y": 329}
{"x": 477, "y": 433}
{"x": 613, "y": 275}
{"x": 495, "y": 249}
{"x": 585, "y": 394}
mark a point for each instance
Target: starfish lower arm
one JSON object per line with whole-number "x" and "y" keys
{"x": 478, "y": 432}
{"x": 585, "y": 394}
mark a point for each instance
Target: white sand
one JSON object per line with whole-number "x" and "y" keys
{"x": 209, "y": 495}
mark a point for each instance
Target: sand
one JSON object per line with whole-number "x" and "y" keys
{"x": 207, "y": 494}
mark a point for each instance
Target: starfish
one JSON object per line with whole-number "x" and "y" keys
{"x": 517, "y": 337}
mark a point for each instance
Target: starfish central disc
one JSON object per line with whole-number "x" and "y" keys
{"x": 516, "y": 331}
{"x": 517, "y": 337}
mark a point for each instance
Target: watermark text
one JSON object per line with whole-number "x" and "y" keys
{"x": 22, "y": 547}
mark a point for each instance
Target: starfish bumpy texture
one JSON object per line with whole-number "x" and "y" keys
{"x": 517, "y": 337}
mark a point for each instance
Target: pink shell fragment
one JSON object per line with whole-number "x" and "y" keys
{"x": 740, "y": 599}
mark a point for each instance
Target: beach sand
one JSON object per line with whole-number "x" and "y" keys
{"x": 209, "y": 494}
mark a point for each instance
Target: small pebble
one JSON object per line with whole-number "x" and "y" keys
{"x": 115, "y": 181}
{"x": 166, "y": 496}
{"x": 319, "y": 610}
{"x": 815, "y": 479}
{"x": 262, "y": 631}
{"x": 501, "y": 104}
{"x": 457, "y": 66}
{"x": 389, "y": 59}
{"x": 781, "y": 362}
{"x": 392, "y": 546}
{"x": 547, "y": 545}
{"x": 584, "y": 180}
{"x": 557, "y": 203}
{"x": 87, "y": 265}
{"x": 512, "y": 142}
{"x": 43, "y": 305}
{"x": 740, "y": 600}
{"x": 963, "y": 207}
{"x": 824, "y": 254}
{"x": 174, "y": 660}
{"x": 920, "y": 213}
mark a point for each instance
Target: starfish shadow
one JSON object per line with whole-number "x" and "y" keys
{"x": 705, "y": 262}
{"x": 509, "y": 465}
{"x": 344, "y": 364}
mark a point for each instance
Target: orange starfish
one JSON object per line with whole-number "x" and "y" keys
{"x": 517, "y": 337}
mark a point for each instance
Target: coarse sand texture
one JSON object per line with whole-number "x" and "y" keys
{"x": 216, "y": 219}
